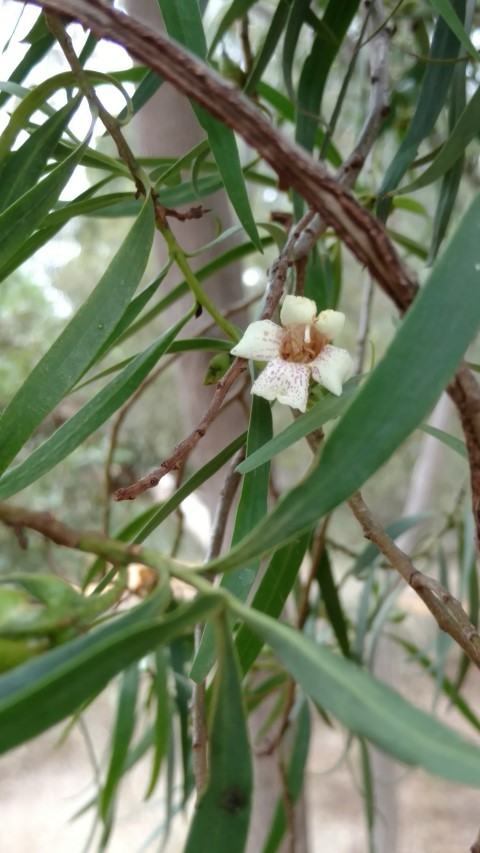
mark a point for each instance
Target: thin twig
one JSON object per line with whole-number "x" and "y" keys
{"x": 356, "y": 227}
{"x": 378, "y": 109}
{"x": 275, "y": 288}
{"x": 224, "y": 505}
{"x": 363, "y": 325}
{"x": 129, "y": 493}
{"x": 447, "y": 611}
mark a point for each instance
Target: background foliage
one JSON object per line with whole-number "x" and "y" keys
{"x": 382, "y": 99}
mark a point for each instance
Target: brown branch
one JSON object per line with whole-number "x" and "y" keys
{"x": 80, "y": 540}
{"x": 360, "y": 231}
{"x": 129, "y": 493}
{"x": 446, "y": 610}
{"x": 378, "y": 109}
{"x": 277, "y": 278}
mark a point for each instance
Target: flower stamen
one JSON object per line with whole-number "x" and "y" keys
{"x": 301, "y": 343}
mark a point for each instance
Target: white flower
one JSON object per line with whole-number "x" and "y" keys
{"x": 295, "y": 351}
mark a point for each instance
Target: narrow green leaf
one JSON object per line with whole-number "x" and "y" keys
{"x": 451, "y": 441}
{"x": 145, "y": 90}
{"x": 448, "y": 687}
{"x": 465, "y": 130}
{"x": 252, "y": 507}
{"x": 183, "y": 21}
{"x": 162, "y": 719}
{"x": 66, "y": 360}
{"x": 449, "y": 14}
{"x": 325, "y": 410}
{"x": 332, "y": 603}
{"x": 89, "y": 418}
{"x": 237, "y": 9}
{"x": 451, "y": 180}
{"x": 417, "y": 366}
{"x": 370, "y": 553}
{"x": 196, "y": 480}
{"x": 286, "y": 110}
{"x": 121, "y": 737}
{"x": 57, "y": 683}
{"x": 25, "y": 165}
{"x": 368, "y": 792}
{"x": 433, "y": 92}
{"x": 270, "y": 596}
{"x": 295, "y": 777}
{"x": 366, "y": 706}
{"x": 223, "y": 812}
{"x": 180, "y": 653}
{"x": 34, "y": 54}
{"x": 147, "y": 522}
{"x": 268, "y": 47}
{"x": 316, "y": 68}
{"x": 296, "y": 18}
{"x": 22, "y": 217}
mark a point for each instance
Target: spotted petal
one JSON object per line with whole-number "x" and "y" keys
{"x": 285, "y": 381}
{"x": 330, "y": 323}
{"x": 297, "y": 309}
{"x": 332, "y": 368}
{"x": 260, "y": 341}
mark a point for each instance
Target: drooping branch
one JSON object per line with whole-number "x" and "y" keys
{"x": 360, "y": 231}
{"x": 447, "y": 611}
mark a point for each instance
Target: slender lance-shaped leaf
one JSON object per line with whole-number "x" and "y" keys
{"x": 34, "y": 54}
{"x": 337, "y": 18}
{"x": 451, "y": 441}
{"x": 144, "y": 524}
{"x": 271, "y": 595}
{"x": 64, "y": 363}
{"x": 295, "y": 777}
{"x": 450, "y": 15}
{"x": 24, "y": 167}
{"x": 223, "y": 812}
{"x": 325, "y": 410}
{"x": 397, "y": 395}
{"x": 252, "y": 506}
{"x": 183, "y": 21}
{"x": 121, "y": 737}
{"x": 433, "y": 92}
{"x": 453, "y": 176}
{"x": 332, "y": 603}
{"x": 366, "y": 706}
{"x": 59, "y": 681}
{"x": 268, "y": 47}
{"x": 161, "y": 727}
{"x": 466, "y": 129}
{"x": 237, "y": 9}
{"x": 370, "y": 553}
{"x": 19, "y": 220}
{"x": 89, "y": 418}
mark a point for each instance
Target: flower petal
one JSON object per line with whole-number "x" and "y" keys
{"x": 332, "y": 368}
{"x": 285, "y": 381}
{"x": 261, "y": 340}
{"x": 297, "y": 309}
{"x": 330, "y": 323}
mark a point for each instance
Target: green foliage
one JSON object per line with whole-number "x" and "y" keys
{"x": 92, "y": 390}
